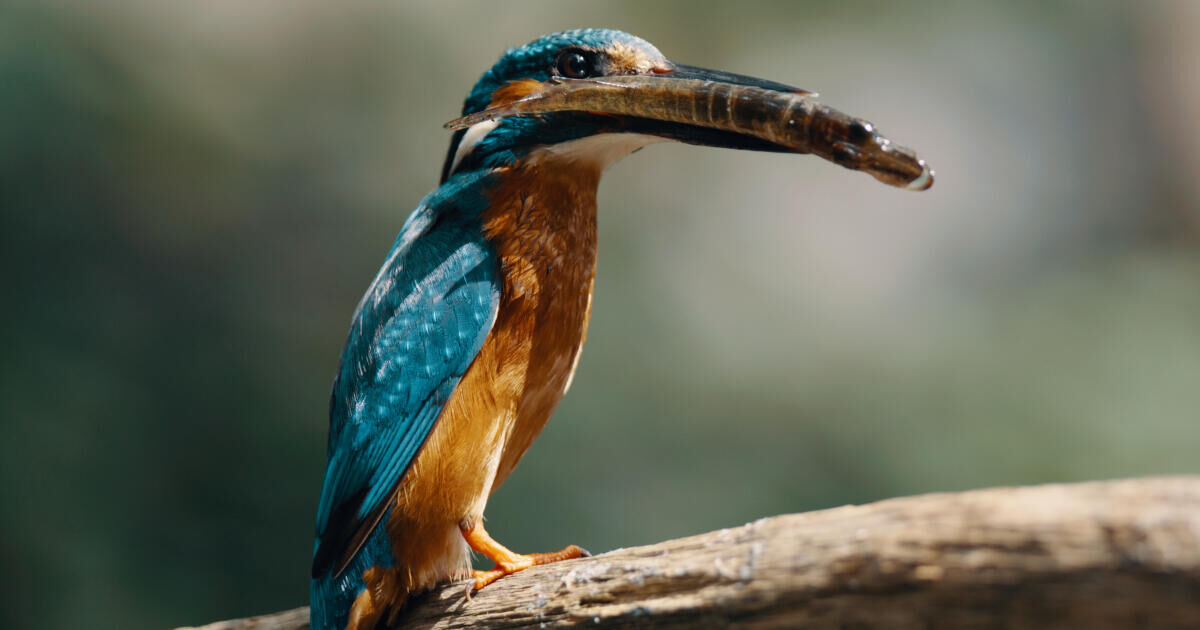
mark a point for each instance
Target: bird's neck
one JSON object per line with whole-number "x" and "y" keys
{"x": 542, "y": 215}
{"x": 550, "y": 193}
{"x": 541, "y": 220}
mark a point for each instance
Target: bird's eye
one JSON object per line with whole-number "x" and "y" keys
{"x": 574, "y": 64}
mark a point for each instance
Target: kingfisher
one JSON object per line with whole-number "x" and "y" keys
{"x": 471, "y": 331}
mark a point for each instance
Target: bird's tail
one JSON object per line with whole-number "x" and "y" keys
{"x": 331, "y": 597}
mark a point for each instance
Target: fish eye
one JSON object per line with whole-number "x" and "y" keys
{"x": 574, "y": 64}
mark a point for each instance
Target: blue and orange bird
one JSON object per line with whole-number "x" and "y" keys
{"x": 469, "y": 335}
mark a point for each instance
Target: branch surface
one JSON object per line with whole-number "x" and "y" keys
{"x": 1114, "y": 554}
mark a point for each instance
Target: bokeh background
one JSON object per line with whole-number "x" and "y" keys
{"x": 195, "y": 195}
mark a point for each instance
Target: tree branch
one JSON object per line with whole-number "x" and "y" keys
{"x": 1116, "y": 554}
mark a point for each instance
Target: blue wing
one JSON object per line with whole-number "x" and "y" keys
{"x": 415, "y": 333}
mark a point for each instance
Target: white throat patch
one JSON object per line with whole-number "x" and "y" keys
{"x": 598, "y": 151}
{"x": 475, "y": 133}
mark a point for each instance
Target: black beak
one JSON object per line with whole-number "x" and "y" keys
{"x": 684, "y": 71}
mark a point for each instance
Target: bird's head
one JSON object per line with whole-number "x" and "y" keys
{"x": 595, "y": 95}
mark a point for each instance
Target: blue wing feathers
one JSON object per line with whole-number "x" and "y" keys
{"x": 415, "y": 333}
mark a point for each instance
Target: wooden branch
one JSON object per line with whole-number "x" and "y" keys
{"x": 1117, "y": 554}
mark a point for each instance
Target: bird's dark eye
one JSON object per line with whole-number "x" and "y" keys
{"x": 574, "y": 64}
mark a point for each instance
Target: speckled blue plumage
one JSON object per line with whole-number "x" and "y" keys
{"x": 417, "y": 329}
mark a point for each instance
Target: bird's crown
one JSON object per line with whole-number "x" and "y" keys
{"x": 585, "y": 52}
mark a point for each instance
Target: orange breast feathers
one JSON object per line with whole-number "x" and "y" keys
{"x": 543, "y": 224}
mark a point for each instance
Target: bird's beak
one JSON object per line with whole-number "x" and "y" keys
{"x": 715, "y": 108}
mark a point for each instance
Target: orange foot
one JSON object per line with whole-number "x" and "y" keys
{"x": 507, "y": 561}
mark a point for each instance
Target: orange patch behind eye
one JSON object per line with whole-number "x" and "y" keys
{"x": 515, "y": 91}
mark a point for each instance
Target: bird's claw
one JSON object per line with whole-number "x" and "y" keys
{"x": 467, "y": 592}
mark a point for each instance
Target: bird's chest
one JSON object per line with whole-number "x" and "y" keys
{"x": 541, "y": 323}
{"x": 547, "y": 247}
{"x": 545, "y": 240}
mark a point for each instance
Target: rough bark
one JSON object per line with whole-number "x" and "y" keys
{"x": 1116, "y": 554}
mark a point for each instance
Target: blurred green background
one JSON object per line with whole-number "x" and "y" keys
{"x": 195, "y": 195}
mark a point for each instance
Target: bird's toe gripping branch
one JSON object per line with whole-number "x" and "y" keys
{"x": 508, "y": 561}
